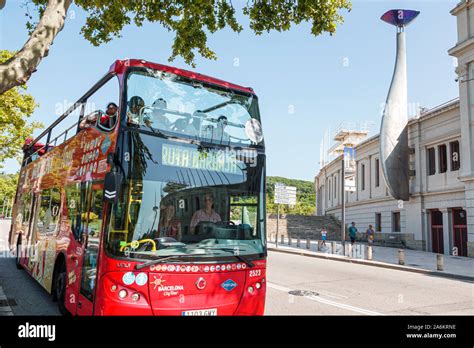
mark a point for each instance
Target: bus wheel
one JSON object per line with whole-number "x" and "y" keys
{"x": 18, "y": 252}
{"x": 60, "y": 288}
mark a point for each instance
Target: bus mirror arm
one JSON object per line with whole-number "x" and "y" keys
{"x": 112, "y": 185}
{"x": 110, "y": 158}
{"x": 114, "y": 162}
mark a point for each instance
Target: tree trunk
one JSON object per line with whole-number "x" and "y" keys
{"x": 18, "y": 69}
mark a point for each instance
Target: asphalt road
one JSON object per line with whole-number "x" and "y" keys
{"x": 340, "y": 288}
{"x": 329, "y": 288}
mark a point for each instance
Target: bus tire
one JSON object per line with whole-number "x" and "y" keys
{"x": 60, "y": 288}
{"x": 18, "y": 252}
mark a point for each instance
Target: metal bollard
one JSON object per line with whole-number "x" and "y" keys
{"x": 369, "y": 252}
{"x": 401, "y": 256}
{"x": 319, "y": 245}
{"x": 349, "y": 250}
{"x": 440, "y": 262}
{"x": 308, "y": 244}
{"x": 289, "y": 240}
{"x": 282, "y": 239}
{"x": 298, "y": 242}
{"x": 334, "y": 247}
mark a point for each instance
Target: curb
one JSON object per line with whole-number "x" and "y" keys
{"x": 376, "y": 264}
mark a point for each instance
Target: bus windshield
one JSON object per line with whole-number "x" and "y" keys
{"x": 181, "y": 199}
{"x": 174, "y": 105}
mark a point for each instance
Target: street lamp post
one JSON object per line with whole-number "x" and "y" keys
{"x": 278, "y": 223}
{"x": 343, "y": 204}
{"x": 394, "y": 149}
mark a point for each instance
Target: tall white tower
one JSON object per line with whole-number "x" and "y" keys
{"x": 394, "y": 151}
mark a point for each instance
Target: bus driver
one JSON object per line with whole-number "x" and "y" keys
{"x": 206, "y": 214}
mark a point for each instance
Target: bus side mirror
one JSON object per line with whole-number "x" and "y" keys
{"x": 112, "y": 185}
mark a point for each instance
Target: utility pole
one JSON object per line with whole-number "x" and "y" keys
{"x": 278, "y": 223}
{"x": 343, "y": 204}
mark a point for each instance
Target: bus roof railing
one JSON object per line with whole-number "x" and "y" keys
{"x": 46, "y": 146}
{"x": 79, "y": 102}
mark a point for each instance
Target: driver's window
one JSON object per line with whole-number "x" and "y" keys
{"x": 243, "y": 211}
{"x": 102, "y": 107}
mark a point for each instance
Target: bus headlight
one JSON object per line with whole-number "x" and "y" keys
{"x": 122, "y": 293}
{"x": 135, "y": 296}
{"x": 258, "y": 285}
{"x": 250, "y": 289}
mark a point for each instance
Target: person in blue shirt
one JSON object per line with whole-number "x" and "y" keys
{"x": 352, "y": 232}
{"x": 324, "y": 235}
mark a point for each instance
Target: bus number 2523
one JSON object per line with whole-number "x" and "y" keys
{"x": 255, "y": 272}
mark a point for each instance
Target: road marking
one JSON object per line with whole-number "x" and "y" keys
{"x": 333, "y": 295}
{"x": 326, "y": 301}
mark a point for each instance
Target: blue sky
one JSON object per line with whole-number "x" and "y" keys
{"x": 305, "y": 84}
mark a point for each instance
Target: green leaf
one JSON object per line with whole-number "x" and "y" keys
{"x": 16, "y": 107}
{"x": 193, "y": 21}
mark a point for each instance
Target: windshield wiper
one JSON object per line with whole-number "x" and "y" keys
{"x": 154, "y": 262}
{"x": 238, "y": 257}
{"x": 165, "y": 258}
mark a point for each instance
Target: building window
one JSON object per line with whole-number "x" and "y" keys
{"x": 396, "y": 222}
{"x": 443, "y": 159}
{"x": 335, "y": 187}
{"x": 329, "y": 192}
{"x": 377, "y": 173}
{"x": 431, "y": 161}
{"x": 378, "y": 222}
{"x": 362, "y": 177}
{"x": 455, "y": 159}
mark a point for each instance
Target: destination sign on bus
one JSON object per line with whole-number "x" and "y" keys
{"x": 211, "y": 159}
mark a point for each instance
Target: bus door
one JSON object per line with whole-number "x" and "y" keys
{"x": 28, "y": 201}
{"x": 91, "y": 242}
{"x": 78, "y": 198}
{"x": 45, "y": 228}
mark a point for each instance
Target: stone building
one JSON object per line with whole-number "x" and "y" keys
{"x": 439, "y": 215}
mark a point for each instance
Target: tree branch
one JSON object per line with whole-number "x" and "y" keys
{"x": 18, "y": 69}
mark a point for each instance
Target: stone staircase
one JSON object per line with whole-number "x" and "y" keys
{"x": 304, "y": 226}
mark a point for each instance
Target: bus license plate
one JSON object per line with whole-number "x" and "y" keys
{"x": 205, "y": 312}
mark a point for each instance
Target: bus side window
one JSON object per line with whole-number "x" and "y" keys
{"x": 44, "y": 211}
{"x": 73, "y": 201}
{"x": 26, "y": 210}
{"x": 54, "y": 207}
{"x": 49, "y": 210}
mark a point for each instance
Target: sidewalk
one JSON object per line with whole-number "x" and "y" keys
{"x": 4, "y": 232}
{"x": 5, "y": 308}
{"x": 415, "y": 260}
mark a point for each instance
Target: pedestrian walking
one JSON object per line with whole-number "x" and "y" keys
{"x": 353, "y": 232}
{"x": 370, "y": 235}
{"x": 324, "y": 234}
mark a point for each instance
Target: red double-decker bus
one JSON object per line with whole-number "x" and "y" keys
{"x": 152, "y": 202}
